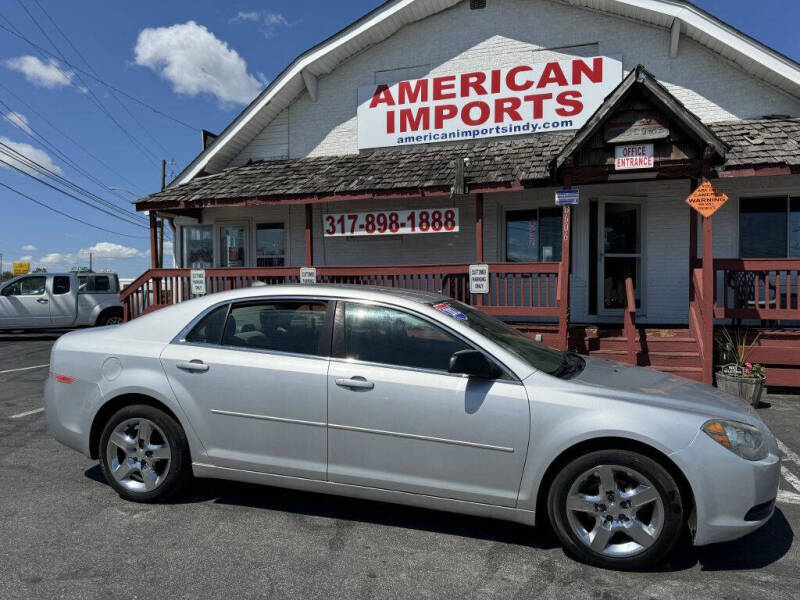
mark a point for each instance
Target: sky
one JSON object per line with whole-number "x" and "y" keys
{"x": 198, "y": 63}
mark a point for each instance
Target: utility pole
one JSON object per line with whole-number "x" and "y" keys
{"x": 90, "y": 263}
{"x": 161, "y": 220}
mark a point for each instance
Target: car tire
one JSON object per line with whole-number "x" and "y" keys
{"x": 144, "y": 454}
{"x": 111, "y": 317}
{"x": 632, "y": 525}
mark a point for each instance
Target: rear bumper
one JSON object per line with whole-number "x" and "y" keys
{"x": 733, "y": 496}
{"x": 69, "y": 409}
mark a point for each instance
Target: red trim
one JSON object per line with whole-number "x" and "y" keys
{"x": 759, "y": 172}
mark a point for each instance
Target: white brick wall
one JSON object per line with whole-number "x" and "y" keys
{"x": 508, "y": 32}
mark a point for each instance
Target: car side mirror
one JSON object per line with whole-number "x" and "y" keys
{"x": 474, "y": 364}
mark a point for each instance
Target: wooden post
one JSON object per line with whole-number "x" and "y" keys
{"x": 563, "y": 280}
{"x": 707, "y": 310}
{"x": 153, "y": 241}
{"x": 309, "y": 238}
{"x": 478, "y": 228}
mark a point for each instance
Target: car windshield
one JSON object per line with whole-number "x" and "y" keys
{"x": 553, "y": 362}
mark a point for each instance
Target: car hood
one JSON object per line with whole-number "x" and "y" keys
{"x": 648, "y": 386}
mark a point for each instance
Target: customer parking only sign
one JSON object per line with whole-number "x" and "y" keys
{"x": 517, "y": 100}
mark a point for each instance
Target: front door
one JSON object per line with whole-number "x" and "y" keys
{"x": 25, "y": 303}
{"x": 619, "y": 254}
{"x": 233, "y": 246}
{"x": 253, "y": 383}
{"x": 398, "y": 420}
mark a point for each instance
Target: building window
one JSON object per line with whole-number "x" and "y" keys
{"x": 270, "y": 245}
{"x": 769, "y": 227}
{"x": 533, "y": 235}
{"x": 197, "y": 246}
{"x": 233, "y": 246}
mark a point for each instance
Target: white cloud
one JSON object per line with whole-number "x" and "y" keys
{"x": 267, "y": 21}
{"x": 28, "y": 151}
{"x": 49, "y": 75}
{"x": 195, "y": 61}
{"x": 110, "y": 250}
{"x": 29, "y": 247}
{"x": 18, "y": 120}
{"x": 26, "y": 258}
{"x": 57, "y": 258}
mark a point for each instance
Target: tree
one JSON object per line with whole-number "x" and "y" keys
{"x": 6, "y": 275}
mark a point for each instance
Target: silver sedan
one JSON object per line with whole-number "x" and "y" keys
{"x": 414, "y": 399}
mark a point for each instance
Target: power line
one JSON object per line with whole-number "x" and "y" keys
{"x": 38, "y": 137}
{"x": 94, "y": 72}
{"x": 100, "y": 81}
{"x": 63, "y": 214}
{"x": 91, "y": 95}
{"x": 17, "y": 156}
{"x": 58, "y": 189}
{"x": 71, "y": 139}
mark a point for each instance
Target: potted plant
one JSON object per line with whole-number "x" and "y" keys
{"x": 738, "y": 375}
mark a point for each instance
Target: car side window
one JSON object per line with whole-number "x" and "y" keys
{"x": 61, "y": 284}
{"x": 209, "y": 329}
{"x": 384, "y": 335}
{"x": 29, "y": 286}
{"x": 294, "y": 326}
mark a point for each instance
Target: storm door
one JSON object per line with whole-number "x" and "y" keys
{"x": 620, "y": 253}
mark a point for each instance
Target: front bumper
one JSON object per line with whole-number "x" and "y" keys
{"x": 729, "y": 491}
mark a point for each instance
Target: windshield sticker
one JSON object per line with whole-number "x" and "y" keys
{"x": 450, "y": 311}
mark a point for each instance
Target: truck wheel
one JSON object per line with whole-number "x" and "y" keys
{"x": 616, "y": 509}
{"x": 144, "y": 454}
{"x": 110, "y": 318}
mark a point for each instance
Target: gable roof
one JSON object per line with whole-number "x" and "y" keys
{"x": 386, "y": 19}
{"x": 643, "y": 80}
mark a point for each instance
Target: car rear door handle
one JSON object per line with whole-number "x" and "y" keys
{"x": 356, "y": 383}
{"x": 42, "y": 300}
{"x": 192, "y": 365}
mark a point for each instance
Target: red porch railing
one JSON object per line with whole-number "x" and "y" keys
{"x": 516, "y": 289}
{"x": 764, "y": 289}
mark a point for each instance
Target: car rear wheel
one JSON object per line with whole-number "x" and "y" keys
{"x": 144, "y": 454}
{"x": 110, "y": 318}
{"x": 616, "y": 509}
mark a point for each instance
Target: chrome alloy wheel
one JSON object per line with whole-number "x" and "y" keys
{"x": 115, "y": 320}
{"x": 138, "y": 455}
{"x": 615, "y": 511}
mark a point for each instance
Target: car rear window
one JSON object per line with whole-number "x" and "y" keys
{"x": 282, "y": 326}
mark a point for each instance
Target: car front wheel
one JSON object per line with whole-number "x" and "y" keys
{"x": 616, "y": 509}
{"x": 144, "y": 454}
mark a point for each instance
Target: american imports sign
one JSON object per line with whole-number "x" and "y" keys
{"x": 519, "y": 100}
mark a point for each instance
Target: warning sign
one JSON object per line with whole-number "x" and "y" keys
{"x": 706, "y": 199}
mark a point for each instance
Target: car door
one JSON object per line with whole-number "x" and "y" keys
{"x": 63, "y": 301}
{"x": 26, "y": 303}
{"x": 252, "y": 378}
{"x": 398, "y": 420}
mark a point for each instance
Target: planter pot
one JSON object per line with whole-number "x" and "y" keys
{"x": 746, "y": 388}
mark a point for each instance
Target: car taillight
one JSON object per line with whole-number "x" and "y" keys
{"x": 64, "y": 379}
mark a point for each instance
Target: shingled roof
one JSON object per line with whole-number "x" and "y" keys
{"x": 752, "y": 143}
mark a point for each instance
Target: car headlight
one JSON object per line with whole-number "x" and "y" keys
{"x": 745, "y": 440}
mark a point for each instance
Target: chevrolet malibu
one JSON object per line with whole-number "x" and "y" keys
{"x": 415, "y": 399}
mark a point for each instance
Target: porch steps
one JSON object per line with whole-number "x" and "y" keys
{"x": 672, "y": 350}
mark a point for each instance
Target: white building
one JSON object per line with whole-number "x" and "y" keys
{"x": 465, "y": 118}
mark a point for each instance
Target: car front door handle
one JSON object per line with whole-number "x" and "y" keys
{"x": 192, "y": 365}
{"x": 42, "y": 300}
{"x": 356, "y": 383}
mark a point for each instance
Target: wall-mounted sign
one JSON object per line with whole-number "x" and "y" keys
{"x": 567, "y": 197}
{"x": 524, "y": 99}
{"x": 20, "y": 268}
{"x": 479, "y": 279}
{"x": 394, "y": 222}
{"x": 633, "y": 156}
{"x": 645, "y": 127}
{"x": 198, "y": 280}
{"x": 706, "y": 199}
{"x": 308, "y": 275}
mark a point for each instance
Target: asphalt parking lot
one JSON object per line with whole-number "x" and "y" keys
{"x": 65, "y": 533}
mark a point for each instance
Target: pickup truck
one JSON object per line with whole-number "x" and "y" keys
{"x": 57, "y": 300}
